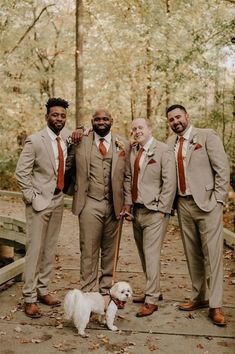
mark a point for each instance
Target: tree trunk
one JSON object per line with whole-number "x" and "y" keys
{"x": 167, "y": 86}
{"x": 79, "y": 62}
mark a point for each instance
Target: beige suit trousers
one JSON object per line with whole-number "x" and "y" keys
{"x": 202, "y": 234}
{"x": 43, "y": 229}
{"x": 98, "y": 231}
{"x": 149, "y": 230}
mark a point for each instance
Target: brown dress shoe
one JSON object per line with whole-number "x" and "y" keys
{"x": 141, "y": 299}
{"x": 32, "y": 310}
{"x": 194, "y": 305}
{"x": 147, "y": 310}
{"x": 49, "y": 300}
{"x": 217, "y": 317}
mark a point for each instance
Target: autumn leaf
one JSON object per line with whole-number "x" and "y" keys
{"x": 190, "y": 316}
{"x": 152, "y": 347}
{"x": 201, "y": 346}
{"x": 36, "y": 340}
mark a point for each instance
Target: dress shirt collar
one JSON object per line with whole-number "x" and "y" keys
{"x": 107, "y": 138}
{"x": 186, "y": 135}
{"x": 148, "y": 144}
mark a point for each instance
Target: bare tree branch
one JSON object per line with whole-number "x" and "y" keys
{"x": 29, "y": 28}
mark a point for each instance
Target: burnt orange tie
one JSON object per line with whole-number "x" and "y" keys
{"x": 102, "y": 147}
{"x": 180, "y": 163}
{"x": 135, "y": 177}
{"x": 60, "y": 177}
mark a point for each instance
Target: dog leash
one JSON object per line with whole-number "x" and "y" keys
{"x": 117, "y": 245}
{"x": 129, "y": 217}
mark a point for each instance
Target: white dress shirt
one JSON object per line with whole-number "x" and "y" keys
{"x": 143, "y": 156}
{"x": 107, "y": 140}
{"x": 53, "y": 137}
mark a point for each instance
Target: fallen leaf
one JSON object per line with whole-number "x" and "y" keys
{"x": 36, "y": 340}
{"x": 200, "y": 346}
{"x": 190, "y": 316}
{"x": 45, "y": 337}
{"x": 93, "y": 346}
{"x": 209, "y": 337}
{"x": 59, "y": 326}
{"x": 152, "y": 347}
{"x": 18, "y": 329}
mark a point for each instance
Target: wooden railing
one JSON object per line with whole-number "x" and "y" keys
{"x": 13, "y": 234}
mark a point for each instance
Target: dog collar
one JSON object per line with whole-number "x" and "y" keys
{"x": 120, "y": 304}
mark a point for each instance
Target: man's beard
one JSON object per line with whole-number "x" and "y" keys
{"x": 102, "y": 131}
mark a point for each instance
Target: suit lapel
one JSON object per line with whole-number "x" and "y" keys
{"x": 88, "y": 147}
{"x": 64, "y": 135}
{"x": 47, "y": 142}
{"x": 190, "y": 145}
{"x": 172, "y": 141}
{"x": 149, "y": 155}
{"x": 115, "y": 154}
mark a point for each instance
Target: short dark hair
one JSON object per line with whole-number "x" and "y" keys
{"x": 175, "y": 106}
{"x": 52, "y": 102}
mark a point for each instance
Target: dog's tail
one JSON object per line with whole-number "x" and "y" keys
{"x": 72, "y": 298}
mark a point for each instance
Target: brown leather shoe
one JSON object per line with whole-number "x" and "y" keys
{"x": 194, "y": 305}
{"x": 32, "y": 310}
{"x": 217, "y": 317}
{"x": 147, "y": 310}
{"x": 141, "y": 299}
{"x": 49, "y": 300}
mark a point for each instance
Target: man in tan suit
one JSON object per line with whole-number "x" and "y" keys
{"x": 153, "y": 193}
{"x": 39, "y": 173}
{"x": 203, "y": 179}
{"x": 102, "y": 191}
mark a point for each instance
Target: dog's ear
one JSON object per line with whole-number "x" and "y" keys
{"x": 113, "y": 290}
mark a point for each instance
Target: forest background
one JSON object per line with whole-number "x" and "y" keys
{"x": 139, "y": 56}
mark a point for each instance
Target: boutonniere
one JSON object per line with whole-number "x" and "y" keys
{"x": 192, "y": 142}
{"x": 120, "y": 145}
{"x": 69, "y": 141}
{"x": 150, "y": 153}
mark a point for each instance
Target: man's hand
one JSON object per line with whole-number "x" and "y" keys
{"x": 126, "y": 212}
{"x": 79, "y": 133}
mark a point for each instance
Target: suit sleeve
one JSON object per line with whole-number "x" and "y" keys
{"x": 169, "y": 182}
{"x": 70, "y": 161}
{"x": 70, "y": 172}
{"x": 24, "y": 170}
{"x": 219, "y": 164}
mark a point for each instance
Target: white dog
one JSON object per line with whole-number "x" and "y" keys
{"x": 78, "y": 305}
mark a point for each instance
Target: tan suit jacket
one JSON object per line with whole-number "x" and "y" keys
{"x": 207, "y": 168}
{"x": 120, "y": 175}
{"x": 158, "y": 177}
{"x": 36, "y": 169}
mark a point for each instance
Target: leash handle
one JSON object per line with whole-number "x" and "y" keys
{"x": 117, "y": 245}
